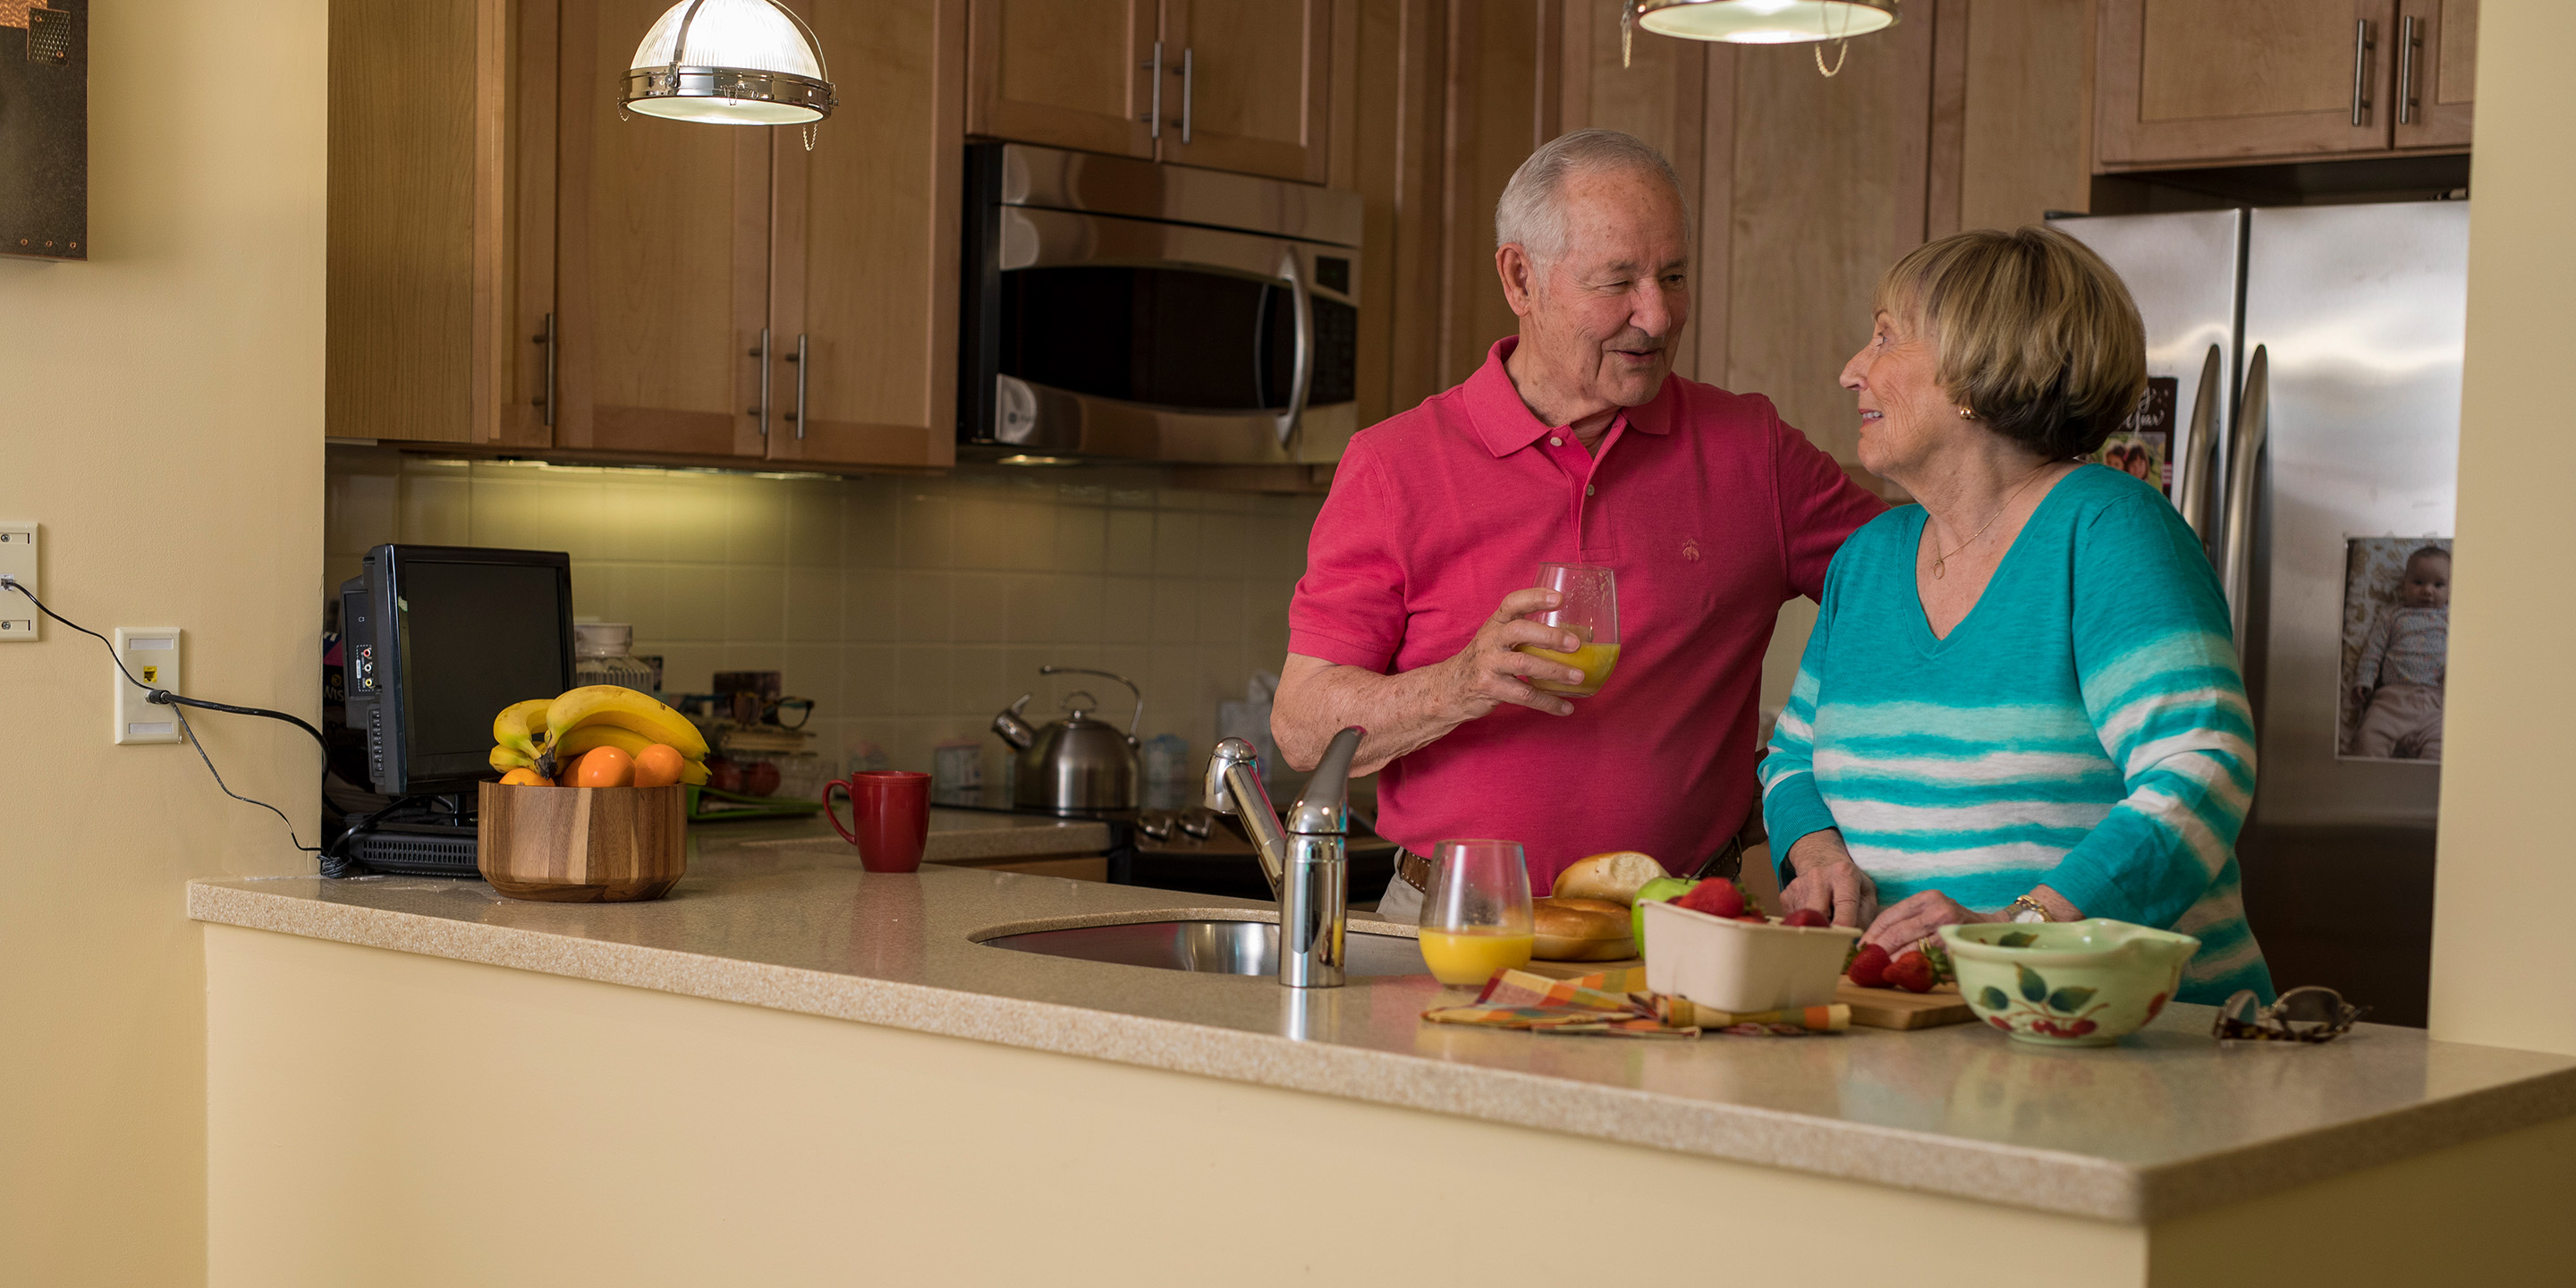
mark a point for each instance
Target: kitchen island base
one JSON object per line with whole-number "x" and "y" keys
{"x": 392, "y": 1118}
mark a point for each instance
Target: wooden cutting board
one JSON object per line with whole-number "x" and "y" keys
{"x": 1894, "y": 1008}
{"x": 1877, "y": 1008}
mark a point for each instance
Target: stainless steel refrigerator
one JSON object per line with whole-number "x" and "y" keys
{"x": 2313, "y": 360}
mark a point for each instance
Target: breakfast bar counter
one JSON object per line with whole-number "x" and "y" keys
{"x": 854, "y": 1024}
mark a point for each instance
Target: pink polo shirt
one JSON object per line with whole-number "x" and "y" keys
{"x": 1712, "y": 513}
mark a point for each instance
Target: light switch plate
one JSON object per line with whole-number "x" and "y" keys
{"x": 152, "y": 654}
{"x": 19, "y": 619}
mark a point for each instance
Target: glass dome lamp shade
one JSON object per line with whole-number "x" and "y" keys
{"x": 730, "y": 62}
{"x": 1763, "y": 22}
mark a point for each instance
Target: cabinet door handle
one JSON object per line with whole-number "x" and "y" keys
{"x": 2361, "y": 47}
{"x": 545, "y": 398}
{"x": 1186, "y": 74}
{"x": 1154, "y": 67}
{"x": 761, "y": 409}
{"x": 2410, "y": 42}
{"x": 797, "y": 417}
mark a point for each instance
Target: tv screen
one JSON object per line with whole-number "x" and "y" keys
{"x": 439, "y": 640}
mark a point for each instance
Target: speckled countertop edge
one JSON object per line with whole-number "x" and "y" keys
{"x": 2046, "y": 1180}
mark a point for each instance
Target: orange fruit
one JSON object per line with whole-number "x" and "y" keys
{"x": 659, "y": 765}
{"x": 605, "y": 767}
{"x": 568, "y": 770}
{"x": 525, "y": 778}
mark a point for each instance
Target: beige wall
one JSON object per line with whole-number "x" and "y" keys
{"x": 909, "y": 609}
{"x": 160, "y": 414}
{"x": 2505, "y": 842}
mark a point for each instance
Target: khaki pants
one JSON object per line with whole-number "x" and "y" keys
{"x": 1401, "y": 904}
{"x": 2404, "y": 722}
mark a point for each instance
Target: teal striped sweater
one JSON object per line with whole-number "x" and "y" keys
{"x": 2084, "y": 728}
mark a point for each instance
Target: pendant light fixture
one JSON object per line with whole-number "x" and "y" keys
{"x": 1758, "y": 22}
{"x": 731, "y": 62}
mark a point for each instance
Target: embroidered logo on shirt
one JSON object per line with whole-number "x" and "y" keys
{"x": 1690, "y": 549}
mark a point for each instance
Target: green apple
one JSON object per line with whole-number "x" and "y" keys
{"x": 1659, "y": 890}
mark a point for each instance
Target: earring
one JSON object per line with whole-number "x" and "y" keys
{"x": 1967, "y": 413}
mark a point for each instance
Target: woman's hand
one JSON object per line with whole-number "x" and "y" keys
{"x": 1829, "y": 882}
{"x": 1915, "y": 918}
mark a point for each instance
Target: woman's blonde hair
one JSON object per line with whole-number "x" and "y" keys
{"x": 2037, "y": 336}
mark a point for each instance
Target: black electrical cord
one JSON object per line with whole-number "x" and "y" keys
{"x": 177, "y": 705}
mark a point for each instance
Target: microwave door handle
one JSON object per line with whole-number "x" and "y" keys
{"x": 2200, "y": 457}
{"x": 1302, "y": 310}
{"x": 2236, "y": 563}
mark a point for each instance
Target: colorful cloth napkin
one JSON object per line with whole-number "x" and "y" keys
{"x": 1617, "y": 1003}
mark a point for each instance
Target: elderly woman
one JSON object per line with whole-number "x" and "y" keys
{"x": 2021, "y": 701}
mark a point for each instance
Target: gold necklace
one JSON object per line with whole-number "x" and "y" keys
{"x": 1939, "y": 559}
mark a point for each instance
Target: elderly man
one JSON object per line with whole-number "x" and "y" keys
{"x": 1573, "y": 443}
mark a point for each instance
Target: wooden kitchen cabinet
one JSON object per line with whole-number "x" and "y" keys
{"x": 1252, "y": 85}
{"x": 439, "y": 264}
{"x": 2438, "y": 83}
{"x": 662, "y": 259}
{"x": 2217, "y": 82}
{"x": 515, "y": 263}
{"x": 863, "y": 305}
{"x": 1065, "y": 73}
{"x": 1244, "y": 80}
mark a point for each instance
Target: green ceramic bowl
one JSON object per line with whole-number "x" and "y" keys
{"x": 2067, "y": 983}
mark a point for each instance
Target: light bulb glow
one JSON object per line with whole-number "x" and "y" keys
{"x": 1767, "y": 22}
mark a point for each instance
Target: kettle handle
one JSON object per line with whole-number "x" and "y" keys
{"x": 1134, "y": 717}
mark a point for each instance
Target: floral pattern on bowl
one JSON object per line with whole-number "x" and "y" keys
{"x": 2071, "y": 983}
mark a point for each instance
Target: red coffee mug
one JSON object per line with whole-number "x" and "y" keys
{"x": 892, "y": 809}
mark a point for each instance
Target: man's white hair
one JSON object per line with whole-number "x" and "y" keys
{"x": 1529, "y": 212}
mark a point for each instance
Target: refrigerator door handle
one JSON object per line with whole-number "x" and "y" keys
{"x": 2236, "y": 562}
{"x": 2192, "y": 472}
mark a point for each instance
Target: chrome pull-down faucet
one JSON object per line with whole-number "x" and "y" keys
{"x": 1305, "y": 861}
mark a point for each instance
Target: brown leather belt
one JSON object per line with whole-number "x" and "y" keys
{"x": 1413, "y": 869}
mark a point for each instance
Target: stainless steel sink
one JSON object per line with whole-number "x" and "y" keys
{"x": 1222, "y": 947}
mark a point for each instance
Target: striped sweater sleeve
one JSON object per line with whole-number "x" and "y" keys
{"x": 1792, "y": 806}
{"x": 2157, "y": 667}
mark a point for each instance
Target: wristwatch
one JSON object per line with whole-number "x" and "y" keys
{"x": 2026, "y": 908}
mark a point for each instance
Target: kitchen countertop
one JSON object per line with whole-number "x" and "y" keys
{"x": 2165, "y": 1124}
{"x": 956, "y": 836}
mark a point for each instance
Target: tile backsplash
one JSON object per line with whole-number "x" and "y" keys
{"x": 909, "y": 609}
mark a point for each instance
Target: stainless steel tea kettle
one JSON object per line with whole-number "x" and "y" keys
{"x": 1077, "y": 763}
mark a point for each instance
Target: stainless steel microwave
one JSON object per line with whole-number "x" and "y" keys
{"x": 1123, "y": 309}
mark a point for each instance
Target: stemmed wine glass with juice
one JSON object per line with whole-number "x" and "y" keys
{"x": 1589, "y": 610}
{"x": 1476, "y": 916}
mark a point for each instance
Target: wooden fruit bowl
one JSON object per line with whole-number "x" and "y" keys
{"x": 583, "y": 844}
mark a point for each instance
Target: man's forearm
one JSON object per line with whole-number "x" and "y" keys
{"x": 1318, "y": 699}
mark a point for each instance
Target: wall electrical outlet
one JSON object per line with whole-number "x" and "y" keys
{"x": 19, "y": 619}
{"x": 152, "y": 654}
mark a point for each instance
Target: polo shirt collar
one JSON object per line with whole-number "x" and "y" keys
{"x": 1504, "y": 423}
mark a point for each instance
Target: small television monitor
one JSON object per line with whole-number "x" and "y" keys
{"x": 435, "y": 641}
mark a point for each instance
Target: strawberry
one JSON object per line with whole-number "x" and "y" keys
{"x": 1806, "y": 917}
{"x": 1869, "y": 970}
{"x": 1716, "y": 896}
{"x": 1756, "y": 918}
{"x": 1911, "y": 972}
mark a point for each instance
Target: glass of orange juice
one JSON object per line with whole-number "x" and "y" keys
{"x": 1476, "y": 917}
{"x": 1589, "y": 609}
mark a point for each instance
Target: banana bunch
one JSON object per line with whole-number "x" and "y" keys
{"x": 543, "y": 735}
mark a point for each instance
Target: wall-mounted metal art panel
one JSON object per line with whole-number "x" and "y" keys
{"x": 44, "y": 128}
